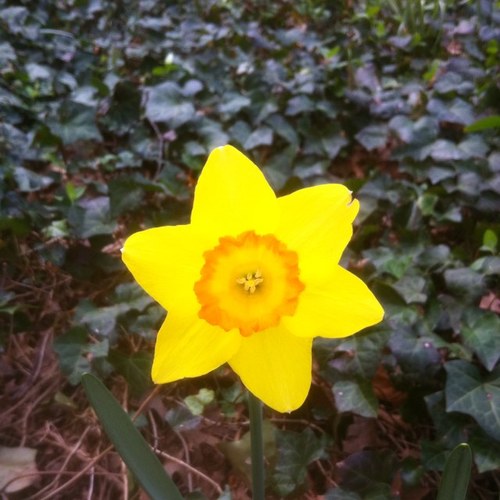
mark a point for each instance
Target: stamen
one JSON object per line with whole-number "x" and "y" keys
{"x": 251, "y": 281}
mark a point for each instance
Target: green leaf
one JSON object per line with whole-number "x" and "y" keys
{"x": 485, "y": 123}
{"x": 197, "y": 403}
{"x": 181, "y": 419}
{"x": 75, "y": 122}
{"x": 213, "y": 135}
{"x": 355, "y": 396}
{"x": 417, "y": 355}
{"x": 125, "y": 107}
{"x": 411, "y": 289}
{"x": 263, "y": 136}
{"x": 56, "y": 229}
{"x": 298, "y": 105}
{"x": 74, "y": 192}
{"x": 341, "y": 494}
{"x": 466, "y": 392}
{"x": 450, "y": 427}
{"x": 125, "y": 194}
{"x": 91, "y": 217}
{"x": 427, "y": 203}
{"x": 283, "y": 129}
{"x": 165, "y": 103}
{"x": 100, "y": 320}
{"x": 486, "y": 452}
{"x": 238, "y": 452}
{"x": 358, "y": 355}
{"x": 490, "y": 241}
{"x": 464, "y": 282}
{"x": 135, "y": 367}
{"x": 332, "y": 144}
{"x": 481, "y": 334}
{"x": 233, "y": 104}
{"x": 129, "y": 443}
{"x": 474, "y": 146}
{"x": 433, "y": 455}
{"x": 373, "y": 136}
{"x": 456, "y": 474}
{"x": 295, "y": 452}
{"x": 444, "y": 150}
{"x": 368, "y": 473}
{"x": 29, "y": 181}
{"x": 132, "y": 296}
{"x": 71, "y": 348}
{"x": 456, "y": 111}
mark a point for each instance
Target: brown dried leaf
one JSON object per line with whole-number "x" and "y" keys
{"x": 17, "y": 462}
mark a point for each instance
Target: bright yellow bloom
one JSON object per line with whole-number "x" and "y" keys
{"x": 252, "y": 280}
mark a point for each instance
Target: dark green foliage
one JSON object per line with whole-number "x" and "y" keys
{"x": 108, "y": 111}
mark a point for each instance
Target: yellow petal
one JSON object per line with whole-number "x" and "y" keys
{"x": 338, "y": 306}
{"x": 166, "y": 262}
{"x": 316, "y": 222}
{"x": 276, "y": 367}
{"x": 190, "y": 347}
{"x": 233, "y": 196}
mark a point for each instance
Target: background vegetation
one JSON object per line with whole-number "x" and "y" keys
{"x": 108, "y": 111}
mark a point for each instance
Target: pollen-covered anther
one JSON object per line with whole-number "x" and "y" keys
{"x": 251, "y": 281}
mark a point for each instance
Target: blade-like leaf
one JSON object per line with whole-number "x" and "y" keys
{"x": 456, "y": 474}
{"x": 485, "y": 123}
{"x": 129, "y": 443}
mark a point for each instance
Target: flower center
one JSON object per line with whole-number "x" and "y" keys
{"x": 248, "y": 282}
{"x": 251, "y": 281}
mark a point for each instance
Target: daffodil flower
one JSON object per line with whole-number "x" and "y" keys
{"x": 252, "y": 280}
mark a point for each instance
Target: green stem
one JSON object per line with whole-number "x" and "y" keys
{"x": 257, "y": 450}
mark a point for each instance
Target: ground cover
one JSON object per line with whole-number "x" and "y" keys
{"x": 108, "y": 111}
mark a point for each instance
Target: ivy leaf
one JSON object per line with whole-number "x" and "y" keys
{"x": 355, "y": 396}
{"x": 360, "y": 354}
{"x": 132, "y": 296}
{"x": 332, "y": 144}
{"x": 367, "y": 472}
{"x": 486, "y": 451}
{"x": 29, "y": 181}
{"x": 263, "y": 136}
{"x": 75, "y": 122}
{"x": 373, "y": 136}
{"x": 238, "y": 452}
{"x": 464, "y": 282}
{"x": 444, "y": 150}
{"x": 299, "y": 104}
{"x": 283, "y": 128}
{"x": 196, "y": 403}
{"x": 135, "y": 367}
{"x": 295, "y": 452}
{"x": 481, "y": 334}
{"x": 233, "y": 104}
{"x": 450, "y": 427}
{"x": 71, "y": 348}
{"x": 466, "y": 392}
{"x": 91, "y": 217}
{"x": 341, "y": 494}
{"x": 416, "y": 354}
{"x": 411, "y": 288}
{"x": 100, "y": 320}
{"x": 166, "y": 103}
